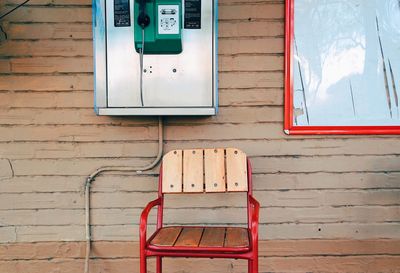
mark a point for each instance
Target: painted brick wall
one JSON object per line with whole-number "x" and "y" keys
{"x": 326, "y": 188}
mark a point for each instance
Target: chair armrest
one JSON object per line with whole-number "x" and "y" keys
{"x": 254, "y": 216}
{"x": 144, "y": 216}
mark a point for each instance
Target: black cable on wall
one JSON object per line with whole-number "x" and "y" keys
{"x": 7, "y": 13}
{"x": 13, "y": 9}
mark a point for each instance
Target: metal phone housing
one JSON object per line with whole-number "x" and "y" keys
{"x": 173, "y": 84}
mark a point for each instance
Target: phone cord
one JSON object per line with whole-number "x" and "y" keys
{"x": 141, "y": 69}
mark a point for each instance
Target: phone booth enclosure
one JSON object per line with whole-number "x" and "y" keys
{"x": 179, "y": 75}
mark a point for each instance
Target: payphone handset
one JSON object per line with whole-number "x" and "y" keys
{"x": 159, "y": 24}
{"x": 143, "y": 20}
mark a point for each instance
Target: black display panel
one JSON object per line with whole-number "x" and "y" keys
{"x": 122, "y": 13}
{"x": 192, "y": 14}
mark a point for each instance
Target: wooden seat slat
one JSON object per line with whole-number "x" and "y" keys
{"x": 214, "y": 170}
{"x": 166, "y": 236}
{"x": 236, "y": 237}
{"x": 236, "y": 170}
{"x": 193, "y": 180}
{"x": 201, "y": 237}
{"x": 213, "y": 237}
{"x": 172, "y": 172}
{"x": 189, "y": 237}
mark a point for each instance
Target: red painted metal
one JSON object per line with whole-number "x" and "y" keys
{"x": 289, "y": 32}
{"x": 289, "y": 127}
{"x": 248, "y": 253}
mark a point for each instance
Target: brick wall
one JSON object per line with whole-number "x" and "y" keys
{"x": 329, "y": 204}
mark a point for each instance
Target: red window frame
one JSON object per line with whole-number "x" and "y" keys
{"x": 289, "y": 127}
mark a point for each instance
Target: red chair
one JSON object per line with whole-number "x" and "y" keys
{"x": 199, "y": 171}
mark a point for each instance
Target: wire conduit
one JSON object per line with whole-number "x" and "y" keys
{"x": 91, "y": 178}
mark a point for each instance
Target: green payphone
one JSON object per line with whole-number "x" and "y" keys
{"x": 159, "y": 24}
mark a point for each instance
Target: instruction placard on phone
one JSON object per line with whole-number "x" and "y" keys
{"x": 192, "y": 14}
{"x": 168, "y": 17}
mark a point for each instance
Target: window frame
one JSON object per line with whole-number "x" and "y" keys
{"x": 289, "y": 127}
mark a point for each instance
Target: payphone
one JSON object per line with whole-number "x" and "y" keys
{"x": 162, "y": 34}
{"x": 155, "y": 57}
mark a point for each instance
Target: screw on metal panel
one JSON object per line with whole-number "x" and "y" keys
{"x": 144, "y": 70}
{"x": 236, "y": 184}
{"x": 174, "y": 70}
{"x": 236, "y": 152}
{"x": 192, "y": 185}
{"x": 171, "y": 186}
{"x": 193, "y": 152}
{"x": 175, "y": 152}
{"x": 215, "y": 151}
{"x": 215, "y": 184}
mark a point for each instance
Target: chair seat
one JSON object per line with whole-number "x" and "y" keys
{"x": 218, "y": 239}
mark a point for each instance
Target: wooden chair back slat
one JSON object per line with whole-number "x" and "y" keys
{"x": 193, "y": 170}
{"x": 209, "y": 170}
{"x": 214, "y": 171}
{"x": 236, "y": 170}
{"x": 172, "y": 172}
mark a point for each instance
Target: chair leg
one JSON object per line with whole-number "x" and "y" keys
{"x": 158, "y": 265}
{"x": 143, "y": 263}
{"x": 250, "y": 264}
{"x": 255, "y": 265}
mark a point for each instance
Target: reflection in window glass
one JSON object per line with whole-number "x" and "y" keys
{"x": 346, "y": 65}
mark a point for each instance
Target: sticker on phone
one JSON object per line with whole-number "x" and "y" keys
{"x": 168, "y": 19}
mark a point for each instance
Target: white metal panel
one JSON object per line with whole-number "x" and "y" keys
{"x": 99, "y": 44}
{"x": 186, "y": 80}
{"x": 157, "y": 111}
